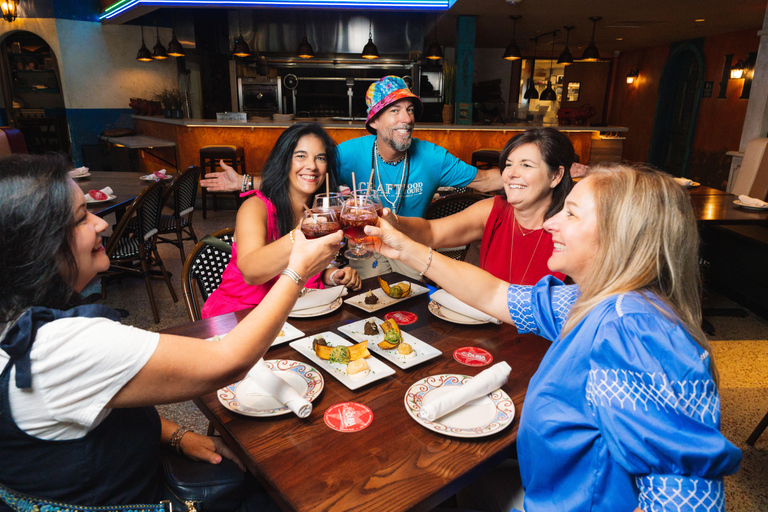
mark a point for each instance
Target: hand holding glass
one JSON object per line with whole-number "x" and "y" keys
{"x": 355, "y": 215}
{"x": 319, "y": 222}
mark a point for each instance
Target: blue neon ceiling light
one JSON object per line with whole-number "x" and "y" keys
{"x": 126, "y": 5}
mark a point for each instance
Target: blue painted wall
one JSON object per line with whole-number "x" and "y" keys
{"x": 85, "y": 125}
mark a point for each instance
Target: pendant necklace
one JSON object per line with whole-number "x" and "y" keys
{"x": 393, "y": 205}
{"x": 512, "y": 247}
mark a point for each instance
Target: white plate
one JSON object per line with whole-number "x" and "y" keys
{"x": 423, "y": 351}
{"x": 288, "y": 331}
{"x": 750, "y": 207}
{"x": 378, "y": 370}
{"x": 152, "y": 177}
{"x": 90, "y": 200}
{"x": 693, "y": 184}
{"x": 450, "y": 315}
{"x": 246, "y": 397}
{"x": 384, "y": 299}
{"x": 80, "y": 176}
{"x": 323, "y": 309}
{"x": 481, "y": 417}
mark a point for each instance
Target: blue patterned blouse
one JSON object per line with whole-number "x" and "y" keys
{"x": 623, "y": 411}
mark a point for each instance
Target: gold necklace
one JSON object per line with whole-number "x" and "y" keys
{"x": 522, "y": 229}
{"x": 512, "y": 248}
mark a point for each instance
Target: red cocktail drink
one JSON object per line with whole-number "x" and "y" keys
{"x": 319, "y": 222}
{"x": 354, "y": 220}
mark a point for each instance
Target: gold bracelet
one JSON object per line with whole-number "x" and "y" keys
{"x": 176, "y": 437}
{"x": 293, "y": 240}
{"x": 429, "y": 262}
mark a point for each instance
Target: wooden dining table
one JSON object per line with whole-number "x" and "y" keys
{"x": 125, "y": 187}
{"x": 395, "y": 463}
{"x": 715, "y": 207}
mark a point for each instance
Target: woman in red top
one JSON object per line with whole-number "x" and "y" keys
{"x": 536, "y": 175}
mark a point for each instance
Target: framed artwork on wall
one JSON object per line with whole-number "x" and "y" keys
{"x": 573, "y": 91}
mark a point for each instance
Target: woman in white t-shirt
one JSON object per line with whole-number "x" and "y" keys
{"x": 77, "y": 390}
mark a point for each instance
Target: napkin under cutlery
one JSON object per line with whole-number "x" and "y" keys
{"x": 684, "y": 182}
{"x": 74, "y": 173}
{"x": 314, "y": 298}
{"x": 90, "y": 199}
{"x": 485, "y": 382}
{"x": 447, "y": 300}
{"x": 751, "y": 201}
{"x": 278, "y": 388}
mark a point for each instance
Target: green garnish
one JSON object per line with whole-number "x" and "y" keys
{"x": 339, "y": 355}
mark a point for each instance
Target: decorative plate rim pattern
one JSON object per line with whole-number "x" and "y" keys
{"x": 435, "y": 308}
{"x": 322, "y": 310}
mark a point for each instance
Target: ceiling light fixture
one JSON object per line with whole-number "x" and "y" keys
{"x": 10, "y": 8}
{"x": 369, "y": 50}
{"x": 549, "y": 93}
{"x": 591, "y": 54}
{"x": 158, "y": 52}
{"x": 531, "y": 93}
{"x": 566, "y": 59}
{"x": 513, "y": 51}
{"x": 305, "y": 50}
{"x": 144, "y": 54}
{"x": 632, "y": 76}
{"x": 175, "y": 49}
{"x": 240, "y": 48}
{"x": 435, "y": 52}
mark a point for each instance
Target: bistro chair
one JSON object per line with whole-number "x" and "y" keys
{"x": 448, "y": 205}
{"x": 135, "y": 252}
{"x": 752, "y": 177}
{"x": 486, "y": 158}
{"x": 181, "y": 194}
{"x": 204, "y": 268}
{"x": 209, "y": 162}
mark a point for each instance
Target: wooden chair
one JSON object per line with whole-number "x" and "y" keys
{"x": 127, "y": 248}
{"x": 752, "y": 176}
{"x": 181, "y": 193}
{"x": 449, "y": 205}
{"x": 203, "y": 269}
{"x": 759, "y": 429}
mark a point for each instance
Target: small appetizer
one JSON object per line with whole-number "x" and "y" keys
{"x": 392, "y": 337}
{"x": 358, "y": 368}
{"x": 324, "y": 351}
{"x": 319, "y": 340}
{"x": 371, "y": 298}
{"x": 339, "y": 355}
{"x": 397, "y": 291}
{"x": 406, "y": 350}
{"x": 370, "y": 328}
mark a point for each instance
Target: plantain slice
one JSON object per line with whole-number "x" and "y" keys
{"x": 357, "y": 351}
{"x": 405, "y": 288}
{"x": 384, "y": 285}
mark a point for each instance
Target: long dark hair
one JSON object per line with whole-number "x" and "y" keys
{"x": 274, "y": 175}
{"x": 556, "y": 150}
{"x": 36, "y": 234}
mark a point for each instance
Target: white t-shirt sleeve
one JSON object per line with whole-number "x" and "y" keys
{"x": 78, "y": 365}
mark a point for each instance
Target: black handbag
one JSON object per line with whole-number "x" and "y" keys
{"x": 195, "y": 486}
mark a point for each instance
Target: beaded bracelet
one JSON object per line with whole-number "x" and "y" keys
{"x": 290, "y": 234}
{"x": 429, "y": 262}
{"x": 176, "y": 439}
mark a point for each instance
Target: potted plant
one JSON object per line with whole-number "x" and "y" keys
{"x": 449, "y": 79}
{"x": 172, "y": 100}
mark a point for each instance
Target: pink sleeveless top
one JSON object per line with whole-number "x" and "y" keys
{"x": 234, "y": 293}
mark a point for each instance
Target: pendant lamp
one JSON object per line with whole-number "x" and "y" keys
{"x": 240, "y": 48}
{"x": 305, "y": 50}
{"x": 549, "y": 93}
{"x": 370, "y": 51}
{"x": 9, "y": 8}
{"x": 566, "y": 59}
{"x": 435, "y": 52}
{"x": 531, "y": 93}
{"x": 513, "y": 51}
{"x": 591, "y": 54}
{"x": 144, "y": 54}
{"x": 174, "y": 47}
{"x": 158, "y": 52}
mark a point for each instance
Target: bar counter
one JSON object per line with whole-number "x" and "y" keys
{"x": 257, "y": 139}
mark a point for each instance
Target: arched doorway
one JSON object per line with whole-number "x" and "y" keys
{"x": 677, "y": 109}
{"x": 32, "y": 95}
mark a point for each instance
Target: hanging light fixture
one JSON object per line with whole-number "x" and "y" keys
{"x": 305, "y": 50}
{"x": 531, "y": 93}
{"x": 513, "y": 51}
{"x": 158, "y": 52}
{"x": 9, "y": 8}
{"x": 144, "y": 54}
{"x": 240, "y": 48}
{"x": 591, "y": 54}
{"x": 174, "y": 47}
{"x": 435, "y": 52}
{"x": 549, "y": 93}
{"x": 566, "y": 59}
{"x": 370, "y": 51}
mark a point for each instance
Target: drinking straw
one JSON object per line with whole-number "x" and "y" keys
{"x": 354, "y": 189}
{"x": 327, "y": 188}
{"x": 370, "y": 184}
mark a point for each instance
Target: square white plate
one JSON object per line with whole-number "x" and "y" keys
{"x": 423, "y": 351}
{"x": 289, "y": 333}
{"x": 384, "y": 299}
{"x": 378, "y": 370}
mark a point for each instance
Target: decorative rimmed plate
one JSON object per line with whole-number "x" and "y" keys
{"x": 384, "y": 299}
{"x": 692, "y": 185}
{"x": 481, "y": 417}
{"x": 90, "y": 200}
{"x": 286, "y": 334}
{"x": 85, "y": 174}
{"x": 323, "y": 309}
{"x": 377, "y": 369}
{"x": 152, "y": 177}
{"x": 423, "y": 351}
{"x": 750, "y": 207}
{"x": 247, "y": 398}
{"x": 450, "y": 315}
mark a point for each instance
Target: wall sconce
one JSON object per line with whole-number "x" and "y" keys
{"x": 632, "y": 76}
{"x": 9, "y": 8}
{"x": 737, "y": 71}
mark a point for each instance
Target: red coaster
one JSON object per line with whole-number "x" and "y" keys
{"x": 348, "y": 417}
{"x": 402, "y": 317}
{"x": 472, "y": 356}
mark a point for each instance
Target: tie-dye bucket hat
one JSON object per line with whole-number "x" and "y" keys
{"x": 385, "y": 92}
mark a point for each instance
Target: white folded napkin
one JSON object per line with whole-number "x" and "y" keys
{"x": 444, "y": 298}
{"x": 314, "y": 298}
{"x": 480, "y": 385}
{"x": 685, "y": 182}
{"x": 78, "y": 172}
{"x": 751, "y": 201}
{"x": 106, "y": 190}
{"x": 278, "y": 388}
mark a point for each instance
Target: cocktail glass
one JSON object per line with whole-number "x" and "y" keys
{"x": 319, "y": 222}
{"x": 373, "y": 196}
{"x": 355, "y": 215}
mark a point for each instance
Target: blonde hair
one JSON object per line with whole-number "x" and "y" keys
{"x": 648, "y": 241}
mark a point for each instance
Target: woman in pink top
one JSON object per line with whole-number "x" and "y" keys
{"x": 304, "y": 156}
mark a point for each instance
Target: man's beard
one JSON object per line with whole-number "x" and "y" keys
{"x": 395, "y": 144}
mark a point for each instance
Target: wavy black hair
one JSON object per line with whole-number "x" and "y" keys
{"x": 36, "y": 233}
{"x": 556, "y": 150}
{"x": 274, "y": 175}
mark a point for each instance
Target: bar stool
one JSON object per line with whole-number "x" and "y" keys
{"x": 209, "y": 161}
{"x": 487, "y": 157}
